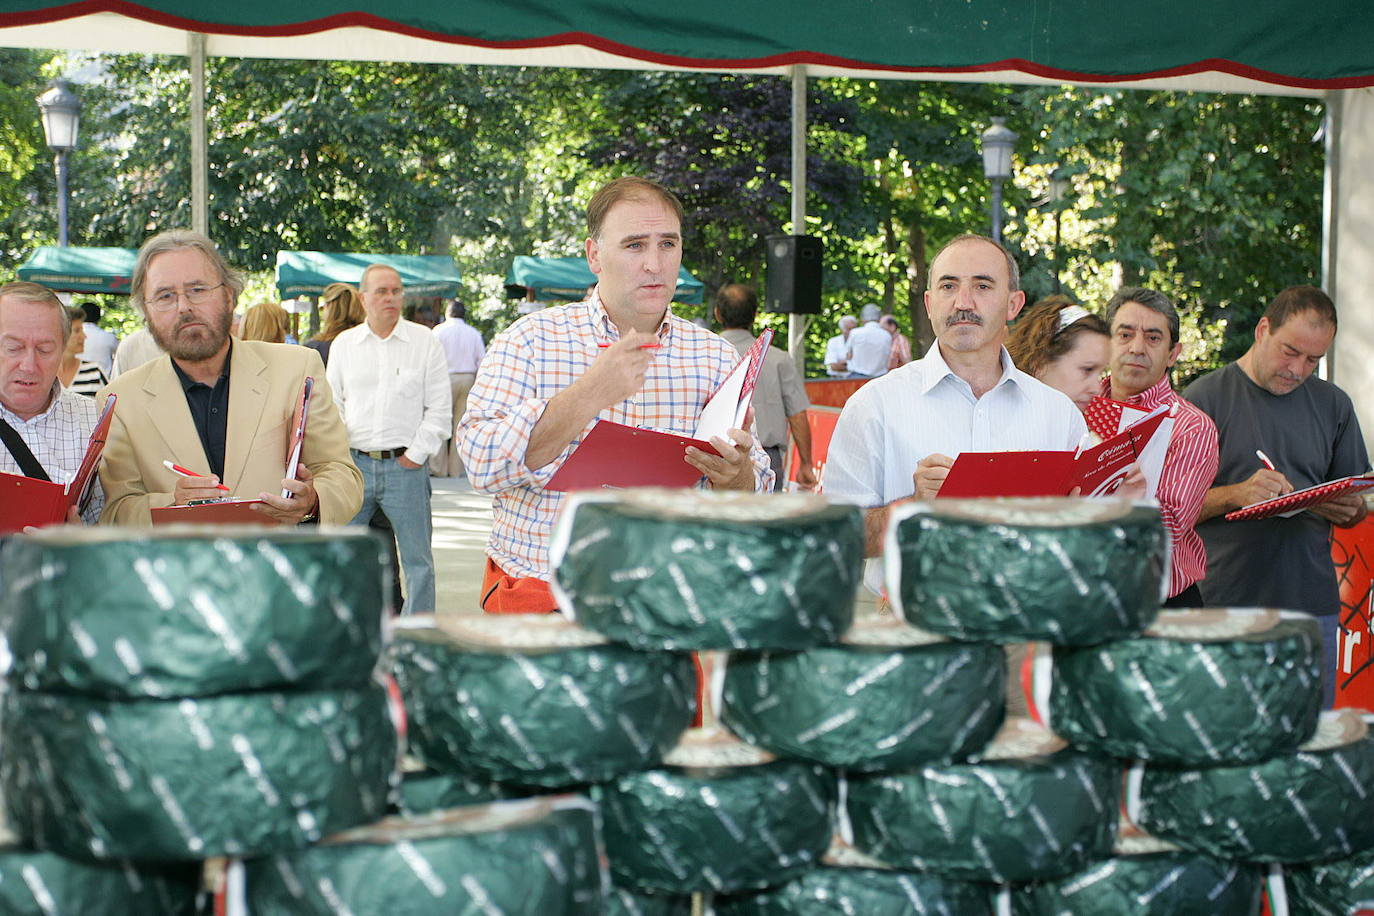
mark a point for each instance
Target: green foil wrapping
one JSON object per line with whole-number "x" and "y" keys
{"x": 231, "y": 775}
{"x": 680, "y": 831}
{"x": 423, "y": 792}
{"x": 699, "y": 570}
{"x": 173, "y": 612}
{"x": 863, "y": 892}
{"x": 865, "y": 708}
{"x": 1000, "y": 821}
{"x": 622, "y": 902}
{"x": 540, "y": 857}
{"x": 1065, "y": 571}
{"x": 1192, "y": 702}
{"x": 1302, "y": 807}
{"x": 1155, "y": 884}
{"x": 556, "y": 717}
{"x": 1332, "y": 888}
{"x": 44, "y": 884}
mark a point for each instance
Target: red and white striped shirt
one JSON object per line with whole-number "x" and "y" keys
{"x": 536, "y": 358}
{"x": 1190, "y": 466}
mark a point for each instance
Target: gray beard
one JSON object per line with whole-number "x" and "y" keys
{"x": 196, "y": 350}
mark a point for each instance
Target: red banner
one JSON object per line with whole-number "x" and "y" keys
{"x": 1352, "y": 550}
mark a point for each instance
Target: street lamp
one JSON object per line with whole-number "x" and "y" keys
{"x": 1059, "y": 188}
{"x": 61, "y": 111}
{"x": 998, "y": 142}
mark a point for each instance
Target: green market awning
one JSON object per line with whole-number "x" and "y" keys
{"x": 307, "y": 273}
{"x": 568, "y": 278}
{"x": 81, "y": 270}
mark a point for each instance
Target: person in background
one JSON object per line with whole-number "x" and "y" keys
{"x": 100, "y": 343}
{"x": 343, "y": 309}
{"x": 138, "y": 348}
{"x": 837, "y": 349}
{"x": 780, "y": 400}
{"x": 870, "y": 345}
{"x": 901, "y": 345}
{"x": 1063, "y": 345}
{"x": 76, "y": 373}
{"x": 463, "y": 348}
{"x": 1269, "y": 407}
{"x": 267, "y": 322}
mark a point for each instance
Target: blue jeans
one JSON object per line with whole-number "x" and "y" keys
{"x": 403, "y": 494}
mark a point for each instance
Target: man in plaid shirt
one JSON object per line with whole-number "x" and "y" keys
{"x": 620, "y": 355}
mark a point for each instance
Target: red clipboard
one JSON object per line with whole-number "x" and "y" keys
{"x": 27, "y": 501}
{"x": 616, "y": 455}
{"x": 216, "y": 512}
{"x": 1298, "y": 500}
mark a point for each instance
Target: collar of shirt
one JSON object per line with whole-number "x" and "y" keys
{"x": 403, "y": 331}
{"x": 603, "y": 328}
{"x": 13, "y": 419}
{"x": 1159, "y": 393}
{"x": 187, "y": 383}
{"x": 934, "y": 370}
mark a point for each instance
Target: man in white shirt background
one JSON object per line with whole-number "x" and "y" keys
{"x": 463, "y": 348}
{"x": 870, "y": 345}
{"x": 837, "y": 349}
{"x": 390, "y": 379}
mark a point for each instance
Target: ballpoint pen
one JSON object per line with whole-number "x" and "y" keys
{"x": 178, "y": 469}
{"x": 1265, "y": 458}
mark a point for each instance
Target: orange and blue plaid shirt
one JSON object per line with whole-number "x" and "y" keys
{"x": 536, "y": 358}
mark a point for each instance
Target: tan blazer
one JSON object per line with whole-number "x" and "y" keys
{"x": 152, "y": 424}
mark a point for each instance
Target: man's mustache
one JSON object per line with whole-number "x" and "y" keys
{"x": 962, "y": 316}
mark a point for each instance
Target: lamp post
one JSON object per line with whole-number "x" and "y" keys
{"x": 1059, "y": 187}
{"x": 998, "y": 142}
{"x": 61, "y": 111}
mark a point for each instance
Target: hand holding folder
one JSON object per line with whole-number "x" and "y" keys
{"x": 29, "y": 502}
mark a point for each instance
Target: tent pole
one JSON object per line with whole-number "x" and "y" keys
{"x": 200, "y": 217}
{"x": 797, "y": 324}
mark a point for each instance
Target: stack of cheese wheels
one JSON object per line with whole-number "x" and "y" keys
{"x": 1335, "y": 888}
{"x": 1199, "y": 688}
{"x": 1067, "y": 571}
{"x": 535, "y": 700}
{"x": 671, "y": 569}
{"x": 524, "y": 856}
{"x": 186, "y": 693}
{"x": 1310, "y": 805}
{"x": 1055, "y": 811}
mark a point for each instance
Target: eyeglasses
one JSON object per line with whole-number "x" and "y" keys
{"x": 165, "y": 300}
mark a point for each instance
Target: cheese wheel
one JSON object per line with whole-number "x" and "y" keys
{"x": 1313, "y": 804}
{"x": 624, "y": 902}
{"x": 533, "y": 856}
{"x": 1153, "y": 884}
{"x": 178, "y": 612}
{"x": 1202, "y": 688}
{"x": 43, "y": 884}
{"x": 533, "y": 700}
{"x": 1336, "y": 888}
{"x": 676, "y": 830}
{"x": 233, "y": 775}
{"x": 1065, "y": 571}
{"x": 828, "y": 891}
{"x": 671, "y": 569}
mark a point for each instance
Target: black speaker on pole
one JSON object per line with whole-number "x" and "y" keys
{"x": 793, "y": 278}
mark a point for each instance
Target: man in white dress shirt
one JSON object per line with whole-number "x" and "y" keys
{"x": 837, "y": 349}
{"x": 899, "y": 435}
{"x": 390, "y": 379}
{"x": 870, "y": 345}
{"x": 464, "y": 350}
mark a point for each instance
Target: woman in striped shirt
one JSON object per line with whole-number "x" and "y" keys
{"x": 81, "y": 376}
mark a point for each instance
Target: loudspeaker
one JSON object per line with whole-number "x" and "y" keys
{"x": 793, "y": 277}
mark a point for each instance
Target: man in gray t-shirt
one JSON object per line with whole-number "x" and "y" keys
{"x": 1268, "y": 402}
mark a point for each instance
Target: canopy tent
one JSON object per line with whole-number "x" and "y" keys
{"x": 81, "y": 270}
{"x": 307, "y": 273}
{"x": 568, "y": 279}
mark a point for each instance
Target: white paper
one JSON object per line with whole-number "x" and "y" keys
{"x": 726, "y": 409}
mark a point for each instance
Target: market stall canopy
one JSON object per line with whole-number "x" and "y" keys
{"x": 307, "y": 273}
{"x": 81, "y": 270}
{"x": 1237, "y": 45}
{"x": 568, "y": 279}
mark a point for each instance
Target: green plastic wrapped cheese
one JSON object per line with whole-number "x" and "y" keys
{"x": 185, "y": 779}
{"x": 534, "y": 700}
{"x": 536, "y": 856}
{"x": 889, "y": 698}
{"x": 425, "y": 791}
{"x": 1331, "y": 888}
{"x": 681, "y": 830}
{"x": 691, "y": 569}
{"x": 174, "y": 612}
{"x": 829, "y": 891}
{"x": 623, "y": 902}
{"x": 1066, "y": 571}
{"x": 1200, "y": 688}
{"x": 1314, "y": 804}
{"x": 44, "y": 884}
{"x": 1029, "y": 810}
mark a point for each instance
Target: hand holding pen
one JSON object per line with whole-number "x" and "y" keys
{"x": 1265, "y": 483}
{"x": 191, "y": 485}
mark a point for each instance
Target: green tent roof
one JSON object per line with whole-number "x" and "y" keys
{"x": 568, "y": 279}
{"x": 307, "y": 273}
{"x": 81, "y": 270}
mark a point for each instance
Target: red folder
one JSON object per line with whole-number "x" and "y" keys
{"x": 27, "y": 501}
{"x": 1295, "y": 502}
{"x": 217, "y": 512}
{"x": 1097, "y": 471}
{"x": 616, "y": 455}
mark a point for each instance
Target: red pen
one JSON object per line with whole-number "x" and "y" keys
{"x": 178, "y": 469}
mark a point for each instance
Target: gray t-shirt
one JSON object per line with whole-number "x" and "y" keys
{"x": 1312, "y": 435}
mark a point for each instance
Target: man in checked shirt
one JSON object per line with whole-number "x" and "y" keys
{"x": 620, "y": 355}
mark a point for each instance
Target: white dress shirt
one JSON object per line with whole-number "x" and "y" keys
{"x": 394, "y": 391}
{"x": 836, "y": 351}
{"x": 870, "y": 347}
{"x": 462, "y": 344}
